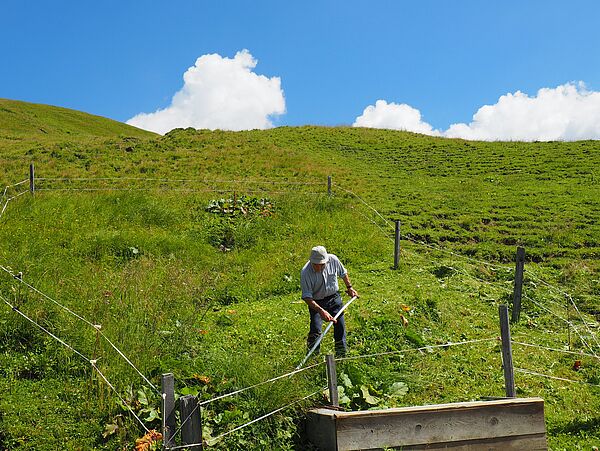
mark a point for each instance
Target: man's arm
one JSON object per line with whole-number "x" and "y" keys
{"x": 317, "y": 308}
{"x": 349, "y": 290}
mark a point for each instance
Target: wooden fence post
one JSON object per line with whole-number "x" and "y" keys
{"x": 191, "y": 430}
{"x": 329, "y": 185}
{"x": 507, "y": 363}
{"x": 168, "y": 411}
{"x": 332, "y": 380}
{"x": 397, "y": 244}
{"x": 31, "y": 178}
{"x": 518, "y": 290}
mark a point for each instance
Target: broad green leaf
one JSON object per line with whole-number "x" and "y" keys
{"x": 345, "y": 380}
{"x": 398, "y": 389}
{"x": 369, "y": 399}
{"x": 142, "y": 398}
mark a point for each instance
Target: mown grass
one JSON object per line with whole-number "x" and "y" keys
{"x": 214, "y": 299}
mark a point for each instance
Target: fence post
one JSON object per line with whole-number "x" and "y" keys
{"x": 31, "y": 178}
{"x": 329, "y": 185}
{"x": 397, "y": 244}
{"x": 518, "y": 290}
{"x": 507, "y": 363}
{"x": 191, "y": 430}
{"x": 168, "y": 412}
{"x": 332, "y": 380}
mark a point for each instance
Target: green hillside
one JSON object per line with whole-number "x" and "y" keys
{"x": 41, "y": 122}
{"x": 186, "y": 249}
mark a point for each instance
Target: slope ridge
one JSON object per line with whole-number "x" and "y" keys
{"x": 31, "y": 120}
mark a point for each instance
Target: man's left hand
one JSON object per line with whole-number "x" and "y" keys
{"x": 351, "y": 292}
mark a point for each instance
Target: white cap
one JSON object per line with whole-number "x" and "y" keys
{"x": 318, "y": 255}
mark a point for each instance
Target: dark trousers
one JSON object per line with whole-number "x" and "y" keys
{"x": 332, "y": 306}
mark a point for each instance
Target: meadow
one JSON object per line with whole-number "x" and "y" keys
{"x": 186, "y": 249}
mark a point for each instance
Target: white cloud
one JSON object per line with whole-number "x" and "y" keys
{"x": 219, "y": 93}
{"x": 568, "y": 112}
{"x": 394, "y": 116}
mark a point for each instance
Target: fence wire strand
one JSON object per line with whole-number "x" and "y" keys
{"x": 118, "y": 395}
{"x": 564, "y": 351}
{"x": 65, "y": 344}
{"x": 214, "y": 440}
{"x": 423, "y": 348}
{"x": 94, "y": 326}
{"x": 242, "y": 390}
{"x": 547, "y": 376}
{"x": 564, "y": 320}
{"x": 71, "y": 348}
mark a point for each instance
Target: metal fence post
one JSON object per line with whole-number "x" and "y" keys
{"x": 397, "y": 244}
{"x": 518, "y": 290}
{"x": 507, "y": 362}
{"x": 332, "y": 380}
{"x": 329, "y": 185}
{"x": 191, "y": 429}
{"x": 168, "y": 411}
{"x": 31, "y": 178}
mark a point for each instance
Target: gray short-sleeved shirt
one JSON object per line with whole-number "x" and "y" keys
{"x": 317, "y": 285}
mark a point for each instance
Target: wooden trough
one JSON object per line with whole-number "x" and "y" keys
{"x": 506, "y": 424}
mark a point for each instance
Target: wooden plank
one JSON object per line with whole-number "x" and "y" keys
{"x": 533, "y": 442}
{"x": 320, "y": 429}
{"x": 519, "y": 421}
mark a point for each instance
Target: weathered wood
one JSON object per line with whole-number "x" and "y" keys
{"x": 503, "y": 424}
{"x": 507, "y": 362}
{"x": 518, "y": 289}
{"x": 320, "y": 429}
{"x": 397, "y": 244}
{"x": 191, "y": 428}
{"x": 329, "y": 185}
{"x": 31, "y": 178}
{"x": 168, "y": 412}
{"x": 332, "y": 380}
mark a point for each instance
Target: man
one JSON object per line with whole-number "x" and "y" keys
{"x": 320, "y": 291}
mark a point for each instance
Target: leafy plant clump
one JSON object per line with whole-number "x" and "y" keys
{"x": 243, "y": 205}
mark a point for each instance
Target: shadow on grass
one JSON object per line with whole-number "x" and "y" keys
{"x": 589, "y": 425}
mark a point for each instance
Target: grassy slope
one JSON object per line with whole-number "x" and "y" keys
{"x": 181, "y": 305}
{"x": 39, "y": 122}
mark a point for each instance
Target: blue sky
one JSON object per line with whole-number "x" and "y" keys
{"x": 443, "y": 59}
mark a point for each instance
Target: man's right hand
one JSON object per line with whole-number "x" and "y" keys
{"x": 326, "y": 316}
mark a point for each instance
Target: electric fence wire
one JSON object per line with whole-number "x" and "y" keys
{"x": 13, "y": 185}
{"x": 414, "y": 240}
{"x": 71, "y": 348}
{"x": 242, "y": 390}
{"x": 564, "y": 351}
{"x": 461, "y": 270}
{"x": 533, "y": 373}
{"x": 214, "y": 440}
{"x": 387, "y": 221}
{"x": 570, "y": 298}
{"x": 167, "y": 180}
{"x": 93, "y": 362}
{"x": 181, "y": 190}
{"x": 563, "y": 320}
{"x": 94, "y": 326}
{"x": 423, "y": 348}
{"x": 17, "y": 310}
{"x": 3, "y": 208}
{"x": 492, "y": 266}
{"x": 10, "y": 199}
